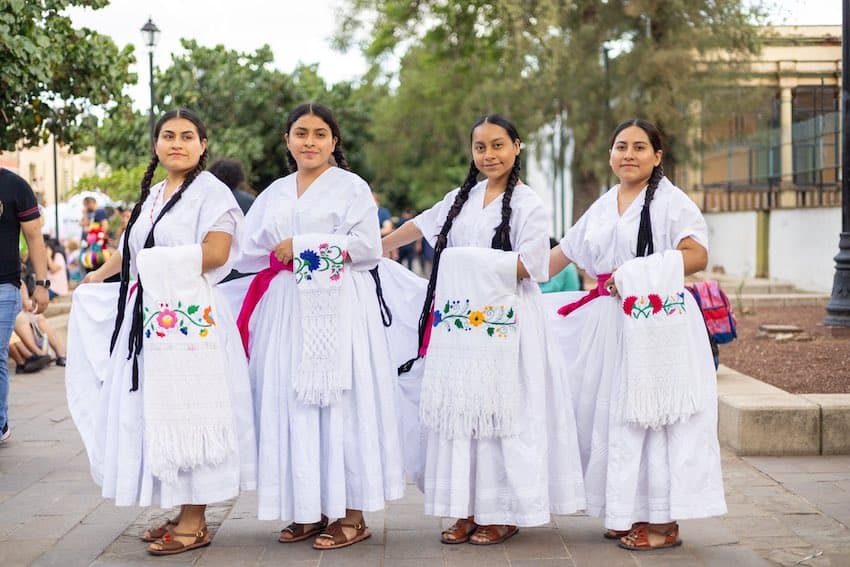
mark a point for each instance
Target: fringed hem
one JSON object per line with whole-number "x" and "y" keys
{"x": 172, "y": 448}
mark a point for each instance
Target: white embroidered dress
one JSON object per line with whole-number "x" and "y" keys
{"x": 523, "y": 478}
{"x": 321, "y": 460}
{"x": 109, "y": 416}
{"x": 634, "y": 473}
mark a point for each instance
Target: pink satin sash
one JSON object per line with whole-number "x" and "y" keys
{"x": 255, "y": 292}
{"x": 588, "y": 297}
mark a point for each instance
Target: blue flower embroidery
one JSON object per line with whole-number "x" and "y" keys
{"x": 311, "y": 258}
{"x": 438, "y": 317}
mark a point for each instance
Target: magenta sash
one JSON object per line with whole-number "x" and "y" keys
{"x": 588, "y": 297}
{"x": 255, "y": 292}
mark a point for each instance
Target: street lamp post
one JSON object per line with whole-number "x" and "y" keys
{"x": 838, "y": 308}
{"x": 151, "y": 33}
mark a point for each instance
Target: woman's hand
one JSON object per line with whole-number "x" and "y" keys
{"x": 94, "y": 277}
{"x": 611, "y": 285}
{"x": 283, "y": 251}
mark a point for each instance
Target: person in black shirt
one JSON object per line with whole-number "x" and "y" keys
{"x": 229, "y": 171}
{"x": 18, "y": 212}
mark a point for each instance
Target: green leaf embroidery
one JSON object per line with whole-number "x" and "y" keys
{"x": 192, "y": 309}
{"x": 510, "y": 313}
{"x": 458, "y": 324}
{"x": 446, "y": 308}
{"x": 490, "y": 330}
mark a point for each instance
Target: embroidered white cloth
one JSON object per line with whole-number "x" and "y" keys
{"x": 323, "y": 288}
{"x": 661, "y": 386}
{"x": 187, "y": 411}
{"x": 471, "y": 385}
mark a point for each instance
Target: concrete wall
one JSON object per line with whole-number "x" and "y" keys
{"x": 732, "y": 242}
{"x": 803, "y": 243}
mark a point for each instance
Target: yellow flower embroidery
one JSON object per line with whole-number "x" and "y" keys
{"x": 476, "y": 318}
{"x": 204, "y": 332}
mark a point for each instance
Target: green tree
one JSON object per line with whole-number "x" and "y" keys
{"x": 54, "y": 76}
{"x": 591, "y": 63}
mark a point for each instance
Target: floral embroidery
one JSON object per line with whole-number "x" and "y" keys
{"x": 648, "y": 305}
{"x": 329, "y": 258}
{"x": 167, "y": 318}
{"x": 496, "y": 321}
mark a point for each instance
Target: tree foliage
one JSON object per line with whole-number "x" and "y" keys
{"x": 244, "y": 102}
{"x": 53, "y": 75}
{"x": 593, "y": 62}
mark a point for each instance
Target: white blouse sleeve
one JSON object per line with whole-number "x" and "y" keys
{"x": 572, "y": 244}
{"x": 258, "y": 241}
{"x": 686, "y": 220}
{"x": 532, "y": 239}
{"x": 431, "y": 221}
{"x": 360, "y": 223}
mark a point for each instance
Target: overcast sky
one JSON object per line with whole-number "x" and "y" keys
{"x": 296, "y": 30}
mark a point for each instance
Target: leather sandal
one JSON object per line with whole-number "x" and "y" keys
{"x": 299, "y": 532}
{"x": 335, "y": 534}
{"x": 491, "y": 535}
{"x": 170, "y": 546}
{"x": 617, "y": 534}
{"x": 154, "y": 534}
{"x": 638, "y": 538}
{"x": 459, "y": 532}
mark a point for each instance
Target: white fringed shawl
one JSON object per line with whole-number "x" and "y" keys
{"x": 323, "y": 291}
{"x": 471, "y": 386}
{"x": 188, "y": 416}
{"x": 661, "y": 385}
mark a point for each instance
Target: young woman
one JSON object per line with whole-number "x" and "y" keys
{"x": 642, "y": 478}
{"x": 319, "y": 360}
{"x": 507, "y": 455}
{"x": 164, "y": 404}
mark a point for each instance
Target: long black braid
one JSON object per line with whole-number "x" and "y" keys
{"x": 135, "y": 338}
{"x": 645, "y": 246}
{"x": 502, "y": 238}
{"x": 440, "y": 245}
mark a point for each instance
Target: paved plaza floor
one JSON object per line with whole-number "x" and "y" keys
{"x": 782, "y": 511}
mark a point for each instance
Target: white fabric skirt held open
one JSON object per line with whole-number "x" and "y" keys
{"x": 110, "y": 417}
{"x": 321, "y": 460}
{"x": 633, "y": 473}
{"x": 520, "y": 479}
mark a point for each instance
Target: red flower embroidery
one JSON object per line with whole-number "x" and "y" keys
{"x": 656, "y": 303}
{"x": 628, "y": 304}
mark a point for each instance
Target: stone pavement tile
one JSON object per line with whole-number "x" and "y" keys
{"x": 746, "y": 528}
{"x": 818, "y": 529}
{"x": 763, "y": 544}
{"x": 357, "y": 554}
{"x": 244, "y": 556}
{"x": 833, "y": 559}
{"x": 820, "y": 493}
{"x": 580, "y": 529}
{"x": 298, "y": 554}
{"x": 838, "y": 510}
{"x": 790, "y": 555}
{"x": 465, "y": 555}
{"x": 50, "y": 527}
{"x": 536, "y": 543}
{"x": 411, "y": 517}
{"x": 599, "y": 553}
{"x": 5, "y": 494}
{"x": 413, "y": 544}
{"x": 80, "y": 546}
{"x": 729, "y": 556}
{"x": 671, "y": 557}
{"x": 563, "y": 562}
{"x": 247, "y": 532}
{"x": 23, "y": 551}
{"x": 394, "y": 562}
{"x": 706, "y": 532}
{"x": 110, "y": 514}
{"x": 779, "y": 500}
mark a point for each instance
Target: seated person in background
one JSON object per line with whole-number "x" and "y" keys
{"x": 26, "y": 360}
{"x": 567, "y": 279}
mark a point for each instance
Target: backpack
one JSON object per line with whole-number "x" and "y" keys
{"x": 717, "y": 314}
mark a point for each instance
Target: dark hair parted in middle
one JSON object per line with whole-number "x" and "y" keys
{"x": 328, "y": 118}
{"x": 501, "y": 238}
{"x": 645, "y": 246}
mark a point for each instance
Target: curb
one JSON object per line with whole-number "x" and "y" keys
{"x": 755, "y": 418}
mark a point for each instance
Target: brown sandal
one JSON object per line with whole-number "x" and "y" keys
{"x": 460, "y": 532}
{"x": 490, "y": 535}
{"x": 300, "y": 532}
{"x": 638, "y": 538}
{"x": 154, "y": 534}
{"x": 617, "y": 534}
{"x": 334, "y": 533}
{"x": 170, "y": 546}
